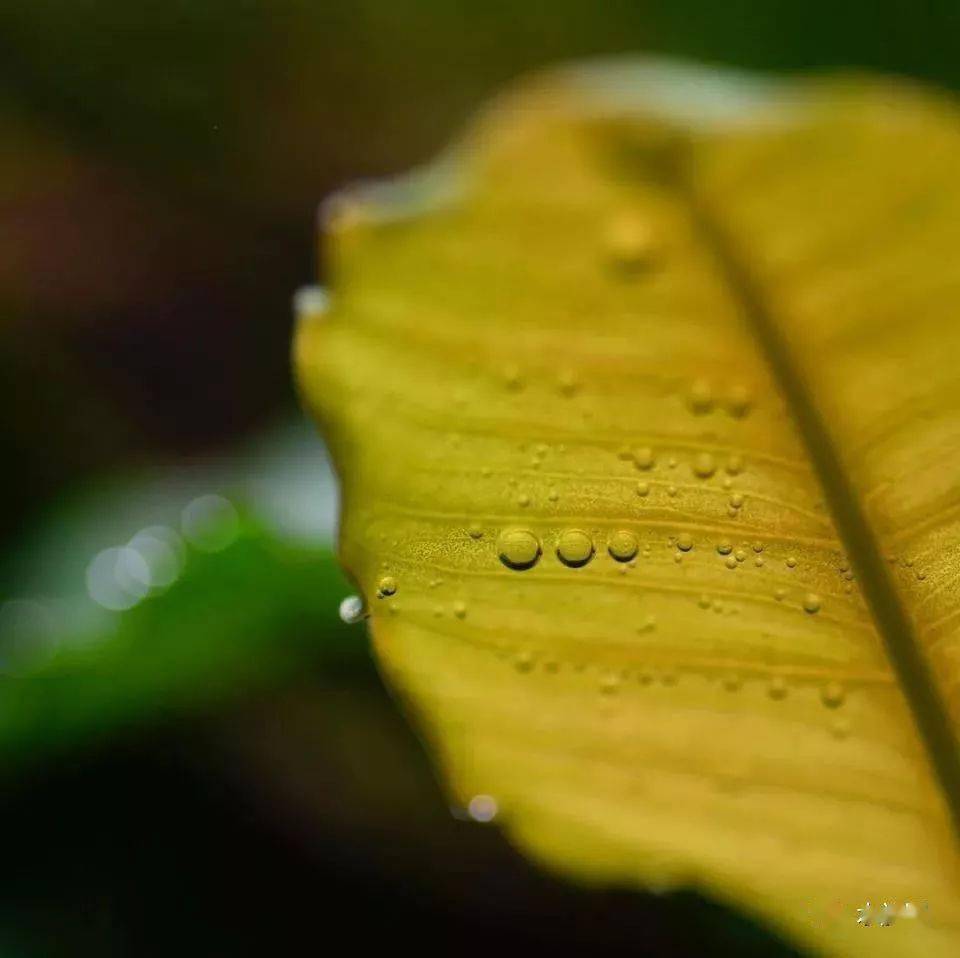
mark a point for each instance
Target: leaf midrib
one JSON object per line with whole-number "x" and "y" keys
{"x": 863, "y": 548}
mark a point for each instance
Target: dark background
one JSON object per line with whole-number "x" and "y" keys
{"x": 218, "y": 770}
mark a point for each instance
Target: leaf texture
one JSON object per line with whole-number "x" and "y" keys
{"x": 645, "y": 407}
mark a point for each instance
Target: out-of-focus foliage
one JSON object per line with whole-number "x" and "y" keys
{"x": 590, "y": 407}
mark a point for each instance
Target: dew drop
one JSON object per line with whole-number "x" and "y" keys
{"x": 700, "y": 397}
{"x": 482, "y": 808}
{"x": 475, "y": 531}
{"x": 777, "y": 689}
{"x": 811, "y": 603}
{"x": 518, "y": 548}
{"x": 685, "y": 541}
{"x": 735, "y": 465}
{"x": 758, "y": 547}
{"x": 832, "y": 695}
{"x": 460, "y": 610}
{"x": 523, "y": 662}
{"x": 704, "y": 465}
{"x": 629, "y": 244}
{"x": 704, "y": 602}
{"x": 610, "y": 683}
{"x": 386, "y": 586}
{"x": 552, "y": 495}
{"x": 513, "y": 378}
{"x": 567, "y": 384}
{"x": 574, "y": 548}
{"x": 736, "y": 500}
{"x": 791, "y": 562}
{"x": 740, "y": 555}
{"x": 623, "y": 545}
{"x": 732, "y": 682}
{"x": 351, "y": 609}
{"x": 643, "y": 489}
{"x": 672, "y": 491}
{"x": 724, "y": 548}
{"x": 523, "y": 500}
{"x": 840, "y": 728}
{"x": 759, "y": 562}
{"x": 738, "y": 401}
{"x": 643, "y": 458}
{"x": 731, "y": 562}
{"x": 780, "y": 594}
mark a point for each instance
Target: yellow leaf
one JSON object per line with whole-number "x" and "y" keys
{"x": 645, "y": 407}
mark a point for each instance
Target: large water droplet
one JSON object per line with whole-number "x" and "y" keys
{"x": 623, "y": 545}
{"x": 704, "y": 465}
{"x": 574, "y": 547}
{"x": 518, "y": 548}
{"x": 351, "y": 609}
{"x": 684, "y": 542}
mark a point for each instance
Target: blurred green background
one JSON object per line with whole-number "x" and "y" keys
{"x": 197, "y": 756}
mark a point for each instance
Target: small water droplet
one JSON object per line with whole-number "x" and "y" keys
{"x": 840, "y": 728}
{"x": 735, "y": 465}
{"x": 567, "y": 384}
{"x": 704, "y": 465}
{"x": 513, "y": 378}
{"x": 518, "y": 548}
{"x": 643, "y": 458}
{"x": 460, "y": 610}
{"x": 574, "y": 548}
{"x": 700, "y": 397}
{"x": 523, "y": 500}
{"x": 475, "y": 531}
{"x": 685, "y": 541}
{"x": 780, "y": 594}
{"x": 791, "y": 562}
{"x": 704, "y": 602}
{"x": 740, "y": 555}
{"x": 523, "y": 662}
{"x": 386, "y": 586}
{"x": 732, "y": 682}
{"x": 623, "y": 545}
{"x": 811, "y": 603}
{"x": 672, "y": 491}
{"x": 759, "y": 562}
{"x": 482, "y": 808}
{"x": 730, "y": 562}
{"x": 738, "y": 401}
{"x": 610, "y": 683}
{"x": 736, "y": 500}
{"x": 629, "y": 244}
{"x": 643, "y": 488}
{"x": 777, "y": 689}
{"x": 832, "y": 695}
{"x": 758, "y": 547}
{"x": 724, "y": 548}
{"x": 351, "y": 609}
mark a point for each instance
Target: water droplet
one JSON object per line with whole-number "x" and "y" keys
{"x": 567, "y": 384}
{"x": 840, "y": 728}
{"x": 643, "y": 458}
{"x": 629, "y": 244}
{"x": 759, "y": 562}
{"x": 552, "y": 495}
{"x": 731, "y": 562}
{"x": 386, "y": 586}
{"x": 832, "y": 695}
{"x": 685, "y": 541}
{"x": 777, "y": 689}
{"x": 623, "y": 545}
{"x": 475, "y": 531}
{"x": 513, "y": 378}
{"x": 758, "y": 547}
{"x": 736, "y": 500}
{"x": 574, "y": 548}
{"x": 672, "y": 491}
{"x": 523, "y": 500}
{"x": 740, "y": 555}
{"x": 791, "y": 562}
{"x": 610, "y": 683}
{"x": 518, "y": 548}
{"x": 811, "y": 603}
{"x": 625, "y": 453}
{"x": 351, "y": 609}
{"x": 780, "y": 594}
{"x": 523, "y": 662}
{"x": 732, "y": 682}
{"x": 704, "y": 465}
{"x": 643, "y": 488}
{"x": 700, "y": 398}
{"x": 482, "y": 808}
{"x": 460, "y": 610}
{"x": 735, "y": 465}
{"x": 724, "y": 548}
{"x": 704, "y": 602}
{"x": 738, "y": 401}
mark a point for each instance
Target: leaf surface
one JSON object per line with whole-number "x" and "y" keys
{"x": 646, "y": 424}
